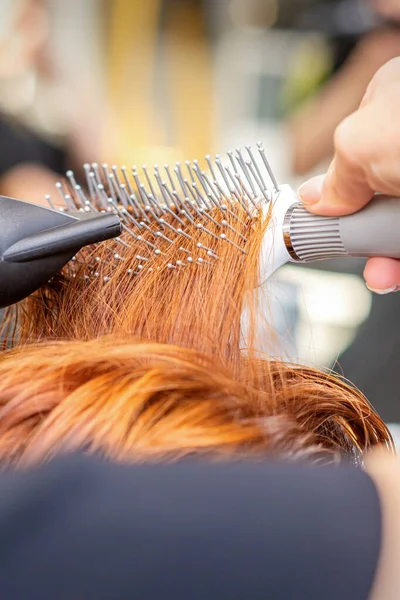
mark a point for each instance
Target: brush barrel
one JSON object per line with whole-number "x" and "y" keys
{"x": 373, "y": 231}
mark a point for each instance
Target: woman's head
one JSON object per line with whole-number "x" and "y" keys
{"x": 138, "y": 352}
{"x": 139, "y": 402}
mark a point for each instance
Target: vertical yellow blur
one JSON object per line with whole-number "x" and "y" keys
{"x": 139, "y": 130}
{"x": 132, "y": 46}
{"x": 189, "y": 71}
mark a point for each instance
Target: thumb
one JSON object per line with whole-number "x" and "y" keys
{"x": 335, "y": 194}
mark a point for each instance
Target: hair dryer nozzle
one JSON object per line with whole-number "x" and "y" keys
{"x": 36, "y": 242}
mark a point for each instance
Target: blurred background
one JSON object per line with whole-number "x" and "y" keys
{"x": 148, "y": 81}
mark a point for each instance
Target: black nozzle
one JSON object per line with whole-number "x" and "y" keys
{"x": 36, "y": 242}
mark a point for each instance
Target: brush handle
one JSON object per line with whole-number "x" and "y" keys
{"x": 373, "y": 231}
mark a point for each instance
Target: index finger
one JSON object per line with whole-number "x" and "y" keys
{"x": 367, "y": 158}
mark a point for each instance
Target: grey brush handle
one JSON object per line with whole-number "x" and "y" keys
{"x": 373, "y": 231}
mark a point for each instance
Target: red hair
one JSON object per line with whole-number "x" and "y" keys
{"x": 145, "y": 401}
{"x": 144, "y": 364}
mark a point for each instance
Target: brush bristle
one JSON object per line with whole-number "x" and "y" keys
{"x": 158, "y": 211}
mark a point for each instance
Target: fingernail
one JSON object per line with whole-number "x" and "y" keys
{"x": 310, "y": 192}
{"x": 395, "y": 288}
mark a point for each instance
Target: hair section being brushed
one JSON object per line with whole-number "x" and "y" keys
{"x": 197, "y": 306}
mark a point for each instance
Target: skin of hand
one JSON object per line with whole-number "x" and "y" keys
{"x": 312, "y": 127}
{"x": 31, "y": 183}
{"x": 387, "y": 8}
{"x": 384, "y": 469}
{"x": 366, "y": 161}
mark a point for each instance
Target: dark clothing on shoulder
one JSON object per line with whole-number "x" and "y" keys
{"x": 83, "y": 529}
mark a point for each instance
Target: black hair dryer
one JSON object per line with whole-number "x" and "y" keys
{"x": 36, "y": 242}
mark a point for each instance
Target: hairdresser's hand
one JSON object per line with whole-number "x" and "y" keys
{"x": 387, "y": 8}
{"x": 367, "y": 160}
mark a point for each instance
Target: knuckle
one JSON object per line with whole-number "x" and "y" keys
{"x": 389, "y": 70}
{"x": 346, "y": 142}
{"x": 387, "y": 75}
{"x": 386, "y": 80}
{"x": 384, "y": 177}
{"x": 376, "y": 177}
